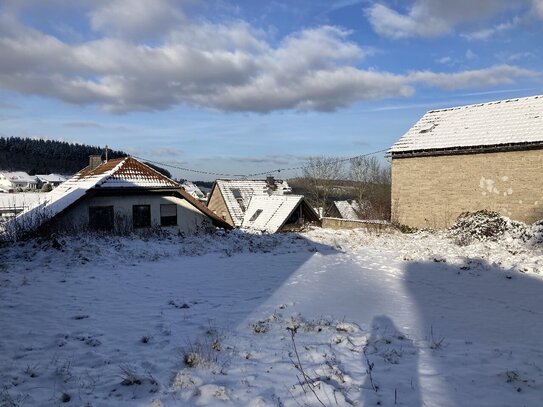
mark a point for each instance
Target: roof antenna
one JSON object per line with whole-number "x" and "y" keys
{"x": 106, "y": 153}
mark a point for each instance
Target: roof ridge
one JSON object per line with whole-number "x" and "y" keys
{"x": 492, "y": 102}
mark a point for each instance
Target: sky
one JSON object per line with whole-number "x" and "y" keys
{"x": 244, "y": 87}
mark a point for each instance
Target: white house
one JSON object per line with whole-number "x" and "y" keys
{"x": 120, "y": 195}
{"x": 53, "y": 179}
{"x": 11, "y": 181}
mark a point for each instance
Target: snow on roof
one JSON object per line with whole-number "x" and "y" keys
{"x": 193, "y": 189}
{"x": 19, "y": 176}
{"x": 348, "y": 209}
{"x": 273, "y": 210}
{"x": 51, "y": 177}
{"x": 237, "y": 194}
{"x": 504, "y": 122}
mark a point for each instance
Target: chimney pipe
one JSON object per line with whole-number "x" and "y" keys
{"x": 94, "y": 161}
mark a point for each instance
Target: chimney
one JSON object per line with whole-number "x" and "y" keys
{"x": 94, "y": 161}
{"x": 270, "y": 182}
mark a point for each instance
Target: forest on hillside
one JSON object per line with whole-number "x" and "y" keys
{"x": 47, "y": 156}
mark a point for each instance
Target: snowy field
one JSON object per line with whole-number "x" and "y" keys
{"x": 323, "y": 318}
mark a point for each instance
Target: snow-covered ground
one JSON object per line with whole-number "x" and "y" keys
{"x": 321, "y": 318}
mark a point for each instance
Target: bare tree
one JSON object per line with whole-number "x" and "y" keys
{"x": 372, "y": 186}
{"x": 321, "y": 175}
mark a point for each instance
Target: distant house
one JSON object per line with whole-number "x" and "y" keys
{"x": 11, "y": 181}
{"x": 344, "y": 210}
{"x": 194, "y": 191}
{"x": 467, "y": 158}
{"x": 52, "y": 179}
{"x": 263, "y": 205}
{"x": 120, "y": 195}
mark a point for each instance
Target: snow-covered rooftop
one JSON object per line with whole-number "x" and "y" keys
{"x": 348, "y": 209}
{"x": 499, "y": 123}
{"x": 193, "y": 189}
{"x": 268, "y": 213}
{"x": 53, "y": 178}
{"x": 18, "y": 176}
{"x": 237, "y": 194}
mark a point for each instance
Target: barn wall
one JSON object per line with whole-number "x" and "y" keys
{"x": 433, "y": 191}
{"x": 189, "y": 219}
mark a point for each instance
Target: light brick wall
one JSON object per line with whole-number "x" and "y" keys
{"x": 433, "y": 191}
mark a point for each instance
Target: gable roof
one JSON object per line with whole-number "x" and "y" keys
{"x": 503, "y": 123}
{"x": 123, "y": 173}
{"x": 275, "y": 210}
{"x": 238, "y": 193}
{"x": 347, "y": 210}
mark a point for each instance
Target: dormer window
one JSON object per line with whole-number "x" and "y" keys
{"x": 237, "y": 194}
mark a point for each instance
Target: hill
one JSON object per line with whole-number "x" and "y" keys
{"x": 47, "y": 156}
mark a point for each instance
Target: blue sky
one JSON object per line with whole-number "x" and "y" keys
{"x": 241, "y": 87}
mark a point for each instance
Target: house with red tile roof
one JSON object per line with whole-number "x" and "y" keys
{"x": 121, "y": 196}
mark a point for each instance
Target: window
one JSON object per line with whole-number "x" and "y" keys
{"x": 237, "y": 194}
{"x": 141, "y": 216}
{"x": 101, "y": 217}
{"x": 168, "y": 215}
{"x": 255, "y": 215}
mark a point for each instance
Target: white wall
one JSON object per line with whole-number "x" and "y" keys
{"x": 189, "y": 219}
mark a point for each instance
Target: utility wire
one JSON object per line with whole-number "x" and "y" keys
{"x": 258, "y": 173}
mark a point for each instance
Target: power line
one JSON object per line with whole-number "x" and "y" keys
{"x": 258, "y": 173}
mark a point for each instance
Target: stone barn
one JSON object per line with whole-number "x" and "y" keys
{"x": 468, "y": 158}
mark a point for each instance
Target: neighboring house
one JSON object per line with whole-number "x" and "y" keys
{"x": 194, "y": 191}
{"x": 119, "y": 195}
{"x": 345, "y": 210}
{"x": 11, "y": 181}
{"x": 53, "y": 179}
{"x": 468, "y": 158}
{"x": 266, "y": 206}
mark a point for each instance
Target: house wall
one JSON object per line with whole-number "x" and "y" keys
{"x": 217, "y": 204}
{"x": 433, "y": 191}
{"x": 189, "y": 219}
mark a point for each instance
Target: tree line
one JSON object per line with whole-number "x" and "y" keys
{"x": 47, "y": 156}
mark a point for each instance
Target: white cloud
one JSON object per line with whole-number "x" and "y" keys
{"x": 136, "y": 18}
{"x": 433, "y": 18}
{"x": 486, "y": 33}
{"x": 479, "y": 78}
{"x": 229, "y": 67}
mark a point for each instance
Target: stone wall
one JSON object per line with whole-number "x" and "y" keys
{"x": 432, "y": 191}
{"x": 338, "y": 223}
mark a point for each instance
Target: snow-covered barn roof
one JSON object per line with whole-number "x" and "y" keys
{"x": 503, "y": 123}
{"x": 237, "y": 194}
{"x": 347, "y": 209}
{"x": 122, "y": 173}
